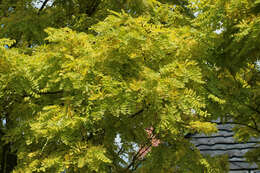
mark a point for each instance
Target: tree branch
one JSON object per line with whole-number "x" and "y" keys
{"x": 120, "y": 150}
{"x": 251, "y": 127}
{"x": 43, "y": 5}
{"x": 42, "y": 93}
{"x": 137, "y": 113}
{"x": 248, "y": 106}
{"x": 52, "y": 92}
{"x": 139, "y": 153}
{"x": 92, "y": 8}
{"x": 136, "y": 156}
{"x": 254, "y": 121}
{"x": 252, "y": 108}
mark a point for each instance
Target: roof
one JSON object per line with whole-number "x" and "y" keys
{"x": 223, "y": 143}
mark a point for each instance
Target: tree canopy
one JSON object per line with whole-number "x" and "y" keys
{"x": 82, "y": 80}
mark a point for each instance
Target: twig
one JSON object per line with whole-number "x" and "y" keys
{"x": 90, "y": 11}
{"x": 136, "y": 156}
{"x": 45, "y": 144}
{"x": 135, "y": 114}
{"x": 43, "y": 5}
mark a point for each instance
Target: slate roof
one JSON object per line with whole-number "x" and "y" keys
{"x": 224, "y": 143}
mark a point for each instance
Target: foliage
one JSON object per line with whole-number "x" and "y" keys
{"x": 75, "y": 75}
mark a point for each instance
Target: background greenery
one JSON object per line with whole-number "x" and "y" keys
{"x": 75, "y": 74}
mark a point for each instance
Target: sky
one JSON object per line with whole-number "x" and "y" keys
{"x": 38, "y": 3}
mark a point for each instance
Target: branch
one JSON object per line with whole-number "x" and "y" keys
{"x": 256, "y": 127}
{"x": 251, "y": 127}
{"x": 1, "y": 132}
{"x": 120, "y": 150}
{"x": 44, "y": 93}
{"x": 43, "y": 5}
{"x": 248, "y": 106}
{"x": 257, "y": 107}
{"x": 139, "y": 153}
{"x": 52, "y": 92}
{"x": 252, "y": 108}
{"x": 137, "y": 113}
{"x": 90, "y": 11}
{"x": 136, "y": 156}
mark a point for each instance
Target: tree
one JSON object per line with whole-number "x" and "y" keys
{"x": 233, "y": 64}
{"x": 112, "y": 69}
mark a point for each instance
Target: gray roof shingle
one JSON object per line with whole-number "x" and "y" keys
{"x": 223, "y": 143}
